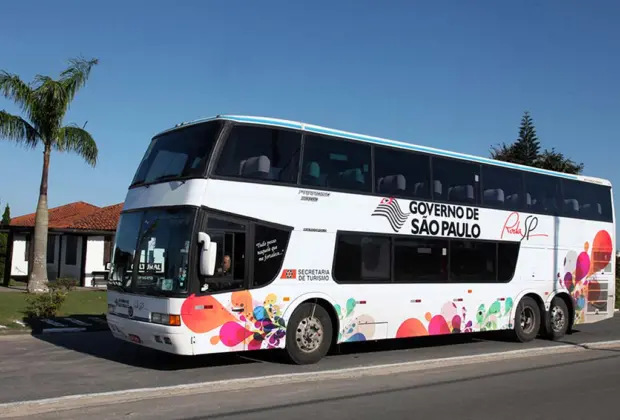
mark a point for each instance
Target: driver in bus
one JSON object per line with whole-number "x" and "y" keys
{"x": 224, "y": 269}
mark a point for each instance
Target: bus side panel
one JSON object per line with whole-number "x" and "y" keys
{"x": 586, "y": 266}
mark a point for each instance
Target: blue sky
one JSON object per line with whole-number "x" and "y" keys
{"x": 450, "y": 74}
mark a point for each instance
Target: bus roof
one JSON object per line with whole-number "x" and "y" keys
{"x": 311, "y": 128}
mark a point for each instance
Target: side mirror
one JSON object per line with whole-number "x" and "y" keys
{"x": 208, "y": 253}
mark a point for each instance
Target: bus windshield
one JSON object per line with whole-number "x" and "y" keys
{"x": 158, "y": 242}
{"x": 181, "y": 153}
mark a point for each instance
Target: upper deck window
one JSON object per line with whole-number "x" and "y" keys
{"x": 585, "y": 200}
{"x": 402, "y": 173}
{"x": 542, "y": 194}
{"x": 336, "y": 164}
{"x": 181, "y": 153}
{"x": 261, "y": 153}
{"x": 456, "y": 181}
{"x": 503, "y": 188}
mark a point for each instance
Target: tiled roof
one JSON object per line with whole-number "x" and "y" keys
{"x": 104, "y": 219}
{"x": 79, "y": 215}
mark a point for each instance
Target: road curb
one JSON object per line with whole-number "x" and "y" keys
{"x": 72, "y": 402}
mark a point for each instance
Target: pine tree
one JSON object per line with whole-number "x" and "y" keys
{"x": 527, "y": 147}
{"x": 526, "y": 151}
{"x": 6, "y": 216}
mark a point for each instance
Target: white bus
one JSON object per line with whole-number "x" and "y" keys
{"x": 255, "y": 233}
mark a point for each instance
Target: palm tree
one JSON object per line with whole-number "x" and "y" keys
{"x": 45, "y": 102}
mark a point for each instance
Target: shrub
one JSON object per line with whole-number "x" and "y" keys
{"x": 45, "y": 305}
{"x": 48, "y": 304}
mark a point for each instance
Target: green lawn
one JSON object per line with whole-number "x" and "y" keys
{"x": 12, "y": 305}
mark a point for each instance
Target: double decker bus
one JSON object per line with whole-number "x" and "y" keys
{"x": 246, "y": 233}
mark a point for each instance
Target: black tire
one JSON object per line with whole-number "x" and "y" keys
{"x": 300, "y": 350}
{"x": 528, "y": 313}
{"x": 558, "y": 319}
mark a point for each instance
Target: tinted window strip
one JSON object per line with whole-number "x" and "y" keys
{"x": 509, "y": 247}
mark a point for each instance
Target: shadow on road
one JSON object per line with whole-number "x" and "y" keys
{"x": 103, "y": 345}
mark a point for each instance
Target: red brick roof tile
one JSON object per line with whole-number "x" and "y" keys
{"x": 79, "y": 215}
{"x": 103, "y": 219}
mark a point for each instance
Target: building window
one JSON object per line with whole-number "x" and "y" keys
{"x": 71, "y": 250}
{"x": 27, "y": 243}
{"x": 51, "y": 249}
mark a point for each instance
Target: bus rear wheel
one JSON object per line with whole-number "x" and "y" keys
{"x": 527, "y": 320}
{"x": 309, "y": 334}
{"x": 559, "y": 319}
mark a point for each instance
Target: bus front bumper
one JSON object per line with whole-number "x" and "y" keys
{"x": 159, "y": 337}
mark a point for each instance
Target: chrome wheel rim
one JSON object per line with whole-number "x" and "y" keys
{"x": 309, "y": 334}
{"x": 558, "y": 319}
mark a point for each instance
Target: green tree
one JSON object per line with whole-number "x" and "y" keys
{"x": 556, "y": 161}
{"x": 526, "y": 151}
{"x": 6, "y": 216}
{"x": 44, "y": 103}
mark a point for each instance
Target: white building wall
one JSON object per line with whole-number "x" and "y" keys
{"x": 95, "y": 248}
{"x": 19, "y": 262}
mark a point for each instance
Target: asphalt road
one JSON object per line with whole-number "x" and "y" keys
{"x": 582, "y": 385}
{"x": 66, "y": 364}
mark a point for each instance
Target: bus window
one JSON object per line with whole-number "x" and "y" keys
{"x": 180, "y": 153}
{"x": 587, "y": 201}
{"x": 270, "y": 245}
{"x": 335, "y": 163}
{"x": 456, "y": 181}
{"x": 507, "y": 257}
{"x": 502, "y": 188}
{"x": 229, "y": 273}
{"x": 362, "y": 259}
{"x": 401, "y": 173}
{"x": 261, "y": 153}
{"x": 542, "y": 193}
{"x": 472, "y": 262}
{"x": 419, "y": 260}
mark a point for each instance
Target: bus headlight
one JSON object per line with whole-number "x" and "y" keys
{"x": 166, "y": 319}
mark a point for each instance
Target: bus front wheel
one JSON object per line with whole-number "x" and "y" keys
{"x": 527, "y": 320}
{"x": 309, "y": 334}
